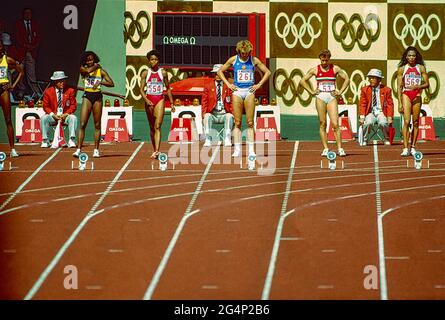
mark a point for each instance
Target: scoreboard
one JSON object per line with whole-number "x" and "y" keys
{"x": 200, "y": 40}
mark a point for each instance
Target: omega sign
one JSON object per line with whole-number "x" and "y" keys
{"x": 199, "y": 40}
{"x": 179, "y": 40}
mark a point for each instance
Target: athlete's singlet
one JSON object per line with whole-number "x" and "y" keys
{"x": 4, "y": 70}
{"x": 411, "y": 77}
{"x": 93, "y": 78}
{"x": 244, "y": 73}
{"x": 325, "y": 79}
{"x": 155, "y": 86}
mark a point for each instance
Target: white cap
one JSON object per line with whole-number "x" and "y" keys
{"x": 58, "y": 75}
{"x": 216, "y": 67}
{"x": 375, "y": 73}
{"x": 6, "y": 39}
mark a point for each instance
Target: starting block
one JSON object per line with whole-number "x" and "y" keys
{"x": 251, "y": 161}
{"x": 2, "y": 161}
{"x": 417, "y": 161}
{"x": 162, "y": 161}
{"x": 330, "y": 162}
{"x": 83, "y": 163}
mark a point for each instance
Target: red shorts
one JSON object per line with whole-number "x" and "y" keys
{"x": 155, "y": 98}
{"x": 412, "y": 94}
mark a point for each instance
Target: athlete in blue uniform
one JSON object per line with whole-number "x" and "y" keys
{"x": 243, "y": 88}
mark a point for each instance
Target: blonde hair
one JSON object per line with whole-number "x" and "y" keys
{"x": 324, "y": 53}
{"x": 244, "y": 45}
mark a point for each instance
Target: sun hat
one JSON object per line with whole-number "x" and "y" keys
{"x": 375, "y": 73}
{"x": 58, "y": 75}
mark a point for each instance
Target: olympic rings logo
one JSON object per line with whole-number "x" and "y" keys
{"x": 357, "y": 81}
{"x": 132, "y": 81}
{"x": 283, "y": 83}
{"x": 417, "y": 34}
{"x": 364, "y": 36}
{"x": 298, "y": 34}
{"x": 136, "y": 26}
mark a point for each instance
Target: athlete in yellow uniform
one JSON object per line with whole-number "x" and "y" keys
{"x": 94, "y": 76}
{"x": 5, "y": 88}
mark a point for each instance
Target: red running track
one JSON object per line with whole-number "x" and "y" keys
{"x": 218, "y": 231}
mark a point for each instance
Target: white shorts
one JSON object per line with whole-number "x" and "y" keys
{"x": 242, "y": 93}
{"x": 326, "y": 97}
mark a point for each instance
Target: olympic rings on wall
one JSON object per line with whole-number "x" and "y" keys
{"x": 364, "y": 36}
{"x": 135, "y": 31}
{"x": 425, "y": 31}
{"x": 283, "y": 83}
{"x": 298, "y": 34}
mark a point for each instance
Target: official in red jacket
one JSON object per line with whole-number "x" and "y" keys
{"x": 376, "y": 105}
{"x": 219, "y": 109}
{"x": 59, "y": 103}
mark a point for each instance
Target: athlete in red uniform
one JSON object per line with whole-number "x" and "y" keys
{"x": 152, "y": 86}
{"x": 326, "y": 93}
{"x": 410, "y": 74}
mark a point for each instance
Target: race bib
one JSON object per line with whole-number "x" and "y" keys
{"x": 154, "y": 88}
{"x": 326, "y": 86}
{"x": 244, "y": 76}
{"x": 91, "y": 81}
{"x": 412, "y": 80}
{"x": 3, "y": 72}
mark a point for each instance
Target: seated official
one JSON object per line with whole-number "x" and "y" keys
{"x": 59, "y": 103}
{"x": 376, "y": 105}
{"x": 219, "y": 109}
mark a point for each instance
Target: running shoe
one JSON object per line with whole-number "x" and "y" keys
{"x": 14, "y": 153}
{"x": 341, "y": 152}
{"x": 325, "y": 152}
{"x": 405, "y": 152}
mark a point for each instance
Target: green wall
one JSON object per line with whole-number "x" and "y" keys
{"x": 107, "y": 40}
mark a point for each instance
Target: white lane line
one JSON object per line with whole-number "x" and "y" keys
{"x": 439, "y": 286}
{"x": 429, "y": 220}
{"x": 115, "y": 250}
{"x": 325, "y": 286}
{"x": 381, "y": 241}
{"x": 223, "y": 251}
{"x": 79, "y": 228}
{"x": 434, "y": 251}
{"x": 16, "y": 192}
{"x": 9, "y": 251}
{"x": 333, "y": 186}
{"x": 291, "y": 239}
{"x": 397, "y": 258}
{"x": 233, "y": 188}
{"x": 283, "y": 214}
{"x": 209, "y": 287}
{"x": 328, "y": 250}
{"x": 232, "y": 220}
{"x": 160, "y": 269}
{"x": 93, "y": 287}
{"x": 412, "y": 203}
